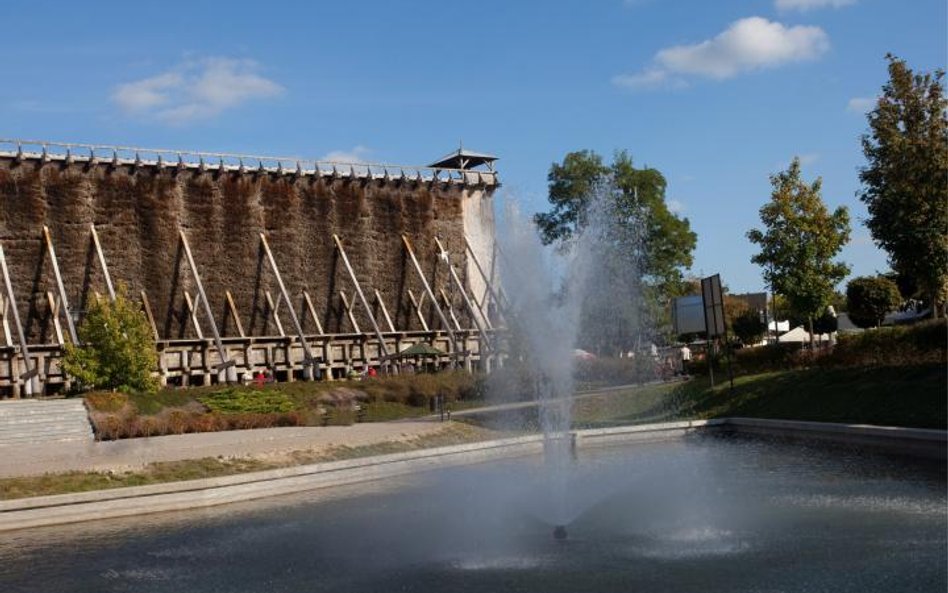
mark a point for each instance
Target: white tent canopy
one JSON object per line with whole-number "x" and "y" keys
{"x": 798, "y": 334}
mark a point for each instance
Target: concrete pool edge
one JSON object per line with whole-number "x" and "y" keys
{"x": 193, "y": 494}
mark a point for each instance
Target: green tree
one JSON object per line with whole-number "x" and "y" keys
{"x": 662, "y": 241}
{"x": 748, "y": 327}
{"x": 799, "y": 242}
{"x": 870, "y": 298}
{"x": 905, "y": 183}
{"x": 645, "y": 249}
{"x": 116, "y": 349}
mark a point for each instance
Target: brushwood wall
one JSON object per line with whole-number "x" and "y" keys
{"x": 138, "y": 211}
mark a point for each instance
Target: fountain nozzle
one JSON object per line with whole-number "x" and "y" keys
{"x": 559, "y": 532}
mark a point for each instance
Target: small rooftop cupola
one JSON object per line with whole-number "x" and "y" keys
{"x": 464, "y": 159}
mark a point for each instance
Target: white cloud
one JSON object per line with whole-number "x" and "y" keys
{"x": 195, "y": 90}
{"x": 357, "y": 155}
{"x": 675, "y": 206}
{"x": 861, "y": 104}
{"x": 805, "y": 5}
{"x": 746, "y": 45}
{"x": 651, "y": 79}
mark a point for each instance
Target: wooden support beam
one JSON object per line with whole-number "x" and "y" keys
{"x": 54, "y": 313}
{"x": 495, "y": 295}
{"x": 193, "y": 314}
{"x": 31, "y": 373}
{"x": 4, "y": 313}
{"x": 63, "y": 299}
{"x": 434, "y": 302}
{"x": 348, "y": 307}
{"x": 388, "y": 318}
{"x": 151, "y": 318}
{"x": 460, "y": 286}
{"x": 226, "y": 363}
{"x": 312, "y": 312}
{"x": 485, "y": 318}
{"x": 274, "y": 308}
{"x": 361, "y": 295}
{"x": 105, "y": 268}
{"x": 233, "y": 313}
{"x": 417, "y": 305}
{"x": 450, "y": 308}
{"x": 307, "y": 354}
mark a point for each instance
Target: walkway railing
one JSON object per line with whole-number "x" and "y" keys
{"x": 69, "y": 152}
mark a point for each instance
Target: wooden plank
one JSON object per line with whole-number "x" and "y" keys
{"x": 312, "y": 312}
{"x": 470, "y": 306}
{"x": 497, "y": 295}
{"x": 30, "y": 372}
{"x": 54, "y": 312}
{"x": 273, "y": 311}
{"x": 193, "y": 313}
{"x": 59, "y": 285}
{"x": 4, "y": 313}
{"x": 233, "y": 313}
{"x": 348, "y": 307}
{"x": 225, "y": 361}
{"x": 361, "y": 295}
{"x": 105, "y": 268}
{"x": 417, "y": 305}
{"x": 450, "y": 308}
{"x": 388, "y": 318}
{"x": 151, "y": 318}
{"x": 289, "y": 305}
{"x": 434, "y": 302}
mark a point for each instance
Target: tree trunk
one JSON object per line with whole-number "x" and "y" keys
{"x": 809, "y": 321}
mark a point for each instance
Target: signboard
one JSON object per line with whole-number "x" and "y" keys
{"x": 688, "y": 315}
{"x": 713, "y": 302}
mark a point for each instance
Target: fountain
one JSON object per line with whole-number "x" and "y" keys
{"x": 701, "y": 513}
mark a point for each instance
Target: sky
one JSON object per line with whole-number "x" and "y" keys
{"x": 716, "y": 95}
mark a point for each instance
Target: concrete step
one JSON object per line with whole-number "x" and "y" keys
{"x": 40, "y": 418}
{"x": 46, "y": 436}
{"x": 34, "y": 440}
{"x": 11, "y": 410}
{"x": 43, "y": 421}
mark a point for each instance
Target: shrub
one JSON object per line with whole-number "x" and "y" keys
{"x": 748, "y": 327}
{"x": 868, "y": 299}
{"x": 923, "y": 343}
{"x": 178, "y": 421}
{"x": 116, "y": 349}
{"x": 235, "y": 401}
{"x": 106, "y": 401}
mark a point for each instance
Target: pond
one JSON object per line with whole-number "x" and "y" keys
{"x": 703, "y": 514}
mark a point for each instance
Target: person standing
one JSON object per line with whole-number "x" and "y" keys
{"x": 685, "y": 358}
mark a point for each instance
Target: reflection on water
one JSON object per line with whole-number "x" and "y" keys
{"x": 704, "y": 515}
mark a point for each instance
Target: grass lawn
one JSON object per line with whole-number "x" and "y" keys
{"x": 888, "y": 396}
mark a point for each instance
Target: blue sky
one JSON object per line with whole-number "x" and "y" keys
{"x": 717, "y": 95}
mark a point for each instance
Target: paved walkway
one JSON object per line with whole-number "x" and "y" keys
{"x": 54, "y": 457}
{"x": 135, "y": 453}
